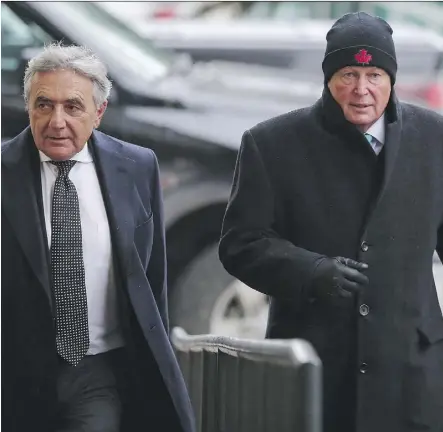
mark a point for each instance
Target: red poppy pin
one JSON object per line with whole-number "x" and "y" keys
{"x": 363, "y": 57}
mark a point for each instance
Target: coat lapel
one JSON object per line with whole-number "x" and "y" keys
{"x": 19, "y": 199}
{"x": 335, "y": 121}
{"x": 392, "y": 146}
{"x": 115, "y": 175}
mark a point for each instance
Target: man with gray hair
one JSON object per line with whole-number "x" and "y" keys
{"x": 84, "y": 293}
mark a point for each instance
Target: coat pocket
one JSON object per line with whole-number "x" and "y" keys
{"x": 144, "y": 218}
{"x": 431, "y": 330}
{"x": 143, "y": 239}
{"x": 422, "y": 380}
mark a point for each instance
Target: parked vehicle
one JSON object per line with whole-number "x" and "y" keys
{"x": 288, "y": 11}
{"x": 298, "y": 48}
{"x": 425, "y": 14}
{"x": 158, "y": 10}
{"x": 192, "y": 116}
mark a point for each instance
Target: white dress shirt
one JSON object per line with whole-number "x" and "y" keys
{"x": 377, "y": 130}
{"x": 103, "y": 319}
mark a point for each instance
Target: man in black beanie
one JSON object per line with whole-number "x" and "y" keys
{"x": 335, "y": 213}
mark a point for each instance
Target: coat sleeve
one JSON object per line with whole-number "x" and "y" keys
{"x": 250, "y": 248}
{"x": 157, "y": 267}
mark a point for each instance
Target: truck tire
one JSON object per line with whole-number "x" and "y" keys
{"x": 207, "y": 299}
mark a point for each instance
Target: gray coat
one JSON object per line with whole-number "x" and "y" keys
{"x": 307, "y": 185}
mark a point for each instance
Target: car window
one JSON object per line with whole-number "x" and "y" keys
{"x": 227, "y": 10}
{"x": 17, "y": 36}
{"x": 115, "y": 41}
{"x": 14, "y": 31}
{"x": 262, "y": 10}
{"x": 278, "y": 11}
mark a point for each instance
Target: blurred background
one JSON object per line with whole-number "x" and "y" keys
{"x": 188, "y": 79}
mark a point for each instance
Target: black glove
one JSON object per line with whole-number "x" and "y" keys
{"x": 338, "y": 277}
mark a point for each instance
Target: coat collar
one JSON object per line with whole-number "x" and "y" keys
{"x": 334, "y": 120}
{"x": 332, "y": 117}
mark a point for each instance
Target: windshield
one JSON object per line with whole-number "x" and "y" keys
{"x": 111, "y": 39}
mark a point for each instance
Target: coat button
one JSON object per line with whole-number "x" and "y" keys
{"x": 363, "y": 368}
{"x": 364, "y": 309}
{"x": 364, "y": 246}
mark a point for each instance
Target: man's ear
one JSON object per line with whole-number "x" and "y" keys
{"x": 100, "y": 111}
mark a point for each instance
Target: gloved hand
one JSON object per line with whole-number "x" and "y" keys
{"x": 338, "y": 277}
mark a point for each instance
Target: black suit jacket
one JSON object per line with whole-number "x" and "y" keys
{"x": 129, "y": 179}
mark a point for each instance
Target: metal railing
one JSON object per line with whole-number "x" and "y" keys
{"x": 240, "y": 385}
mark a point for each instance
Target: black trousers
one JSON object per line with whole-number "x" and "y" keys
{"x": 90, "y": 395}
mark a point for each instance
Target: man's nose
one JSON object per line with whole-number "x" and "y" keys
{"x": 361, "y": 87}
{"x": 58, "y": 120}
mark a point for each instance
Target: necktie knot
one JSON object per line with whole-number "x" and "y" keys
{"x": 369, "y": 137}
{"x": 64, "y": 166}
{"x": 374, "y": 143}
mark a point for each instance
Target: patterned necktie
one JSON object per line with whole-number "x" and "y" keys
{"x": 68, "y": 271}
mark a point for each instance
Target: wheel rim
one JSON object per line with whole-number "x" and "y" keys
{"x": 240, "y": 312}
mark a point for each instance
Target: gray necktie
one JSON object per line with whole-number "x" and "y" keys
{"x": 68, "y": 271}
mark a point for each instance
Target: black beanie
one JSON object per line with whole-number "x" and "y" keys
{"x": 360, "y": 39}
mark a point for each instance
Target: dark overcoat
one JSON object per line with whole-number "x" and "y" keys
{"x": 306, "y": 185}
{"x": 129, "y": 179}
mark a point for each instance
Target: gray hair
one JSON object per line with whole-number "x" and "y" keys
{"x": 76, "y": 58}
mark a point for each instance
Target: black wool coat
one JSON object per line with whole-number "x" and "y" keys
{"x": 306, "y": 185}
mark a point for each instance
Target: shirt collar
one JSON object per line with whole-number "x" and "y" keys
{"x": 377, "y": 130}
{"x": 84, "y": 155}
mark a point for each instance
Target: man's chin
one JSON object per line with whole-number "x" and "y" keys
{"x": 59, "y": 153}
{"x": 360, "y": 119}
